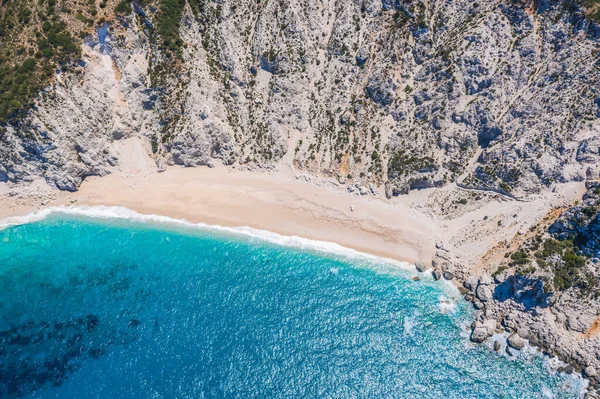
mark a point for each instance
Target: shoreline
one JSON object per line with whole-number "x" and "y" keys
{"x": 118, "y": 213}
{"x": 270, "y": 202}
{"x": 551, "y": 363}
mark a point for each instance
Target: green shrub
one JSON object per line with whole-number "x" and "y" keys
{"x": 22, "y": 79}
{"x": 519, "y": 258}
{"x": 123, "y": 7}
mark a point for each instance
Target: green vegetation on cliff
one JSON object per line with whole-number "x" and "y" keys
{"x": 37, "y": 37}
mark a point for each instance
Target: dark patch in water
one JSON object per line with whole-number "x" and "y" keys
{"x": 35, "y": 354}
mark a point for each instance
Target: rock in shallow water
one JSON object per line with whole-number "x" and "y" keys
{"x": 483, "y": 331}
{"x": 420, "y": 267}
{"x": 497, "y": 346}
{"x": 515, "y": 341}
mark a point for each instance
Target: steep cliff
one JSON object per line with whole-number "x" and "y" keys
{"x": 498, "y": 95}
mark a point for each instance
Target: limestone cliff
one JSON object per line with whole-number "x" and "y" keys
{"x": 501, "y": 95}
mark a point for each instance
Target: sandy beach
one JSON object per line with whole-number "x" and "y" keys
{"x": 268, "y": 201}
{"x": 449, "y": 224}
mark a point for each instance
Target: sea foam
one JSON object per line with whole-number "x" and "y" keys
{"x": 122, "y": 213}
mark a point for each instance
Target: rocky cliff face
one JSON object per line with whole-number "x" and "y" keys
{"x": 502, "y": 95}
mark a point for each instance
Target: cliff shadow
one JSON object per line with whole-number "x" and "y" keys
{"x": 528, "y": 292}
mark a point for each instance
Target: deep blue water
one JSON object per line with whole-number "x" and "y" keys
{"x": 93, "y": 308}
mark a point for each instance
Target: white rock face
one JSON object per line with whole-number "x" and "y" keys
{"x": 483, "y": 330}
{"x": 407, "y": 95}
{"x": 484, "y": 293}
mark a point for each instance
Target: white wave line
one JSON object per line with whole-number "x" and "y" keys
{"x": 122, "y": 213}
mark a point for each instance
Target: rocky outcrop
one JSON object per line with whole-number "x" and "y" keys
{"x": 559, "y": 324}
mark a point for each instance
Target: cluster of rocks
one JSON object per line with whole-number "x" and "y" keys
{"x": 436, "y": 273}
{"x": 360, "y": 189}
{"x": 519, "y": 309}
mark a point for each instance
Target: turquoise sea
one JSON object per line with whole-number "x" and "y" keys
{"x": 119, "y": 308}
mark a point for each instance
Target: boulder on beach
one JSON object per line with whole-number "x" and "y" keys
{"x": 515, "y": 341}
{"x": 436, "y": 274}
{"x": 470, "y": 282}
{"x": 448, "y": 275}
{"x": 484, "y": 293}
{"x": 485, "y": 280}
{"x": 420, "y": 267}
{"x": 523, "y": 332}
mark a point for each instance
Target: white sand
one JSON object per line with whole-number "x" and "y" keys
{"x": 264, "y": 201}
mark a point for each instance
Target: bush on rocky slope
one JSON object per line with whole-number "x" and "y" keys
{"x": 36, "y": 38}
{"x": 566, "y": 255}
